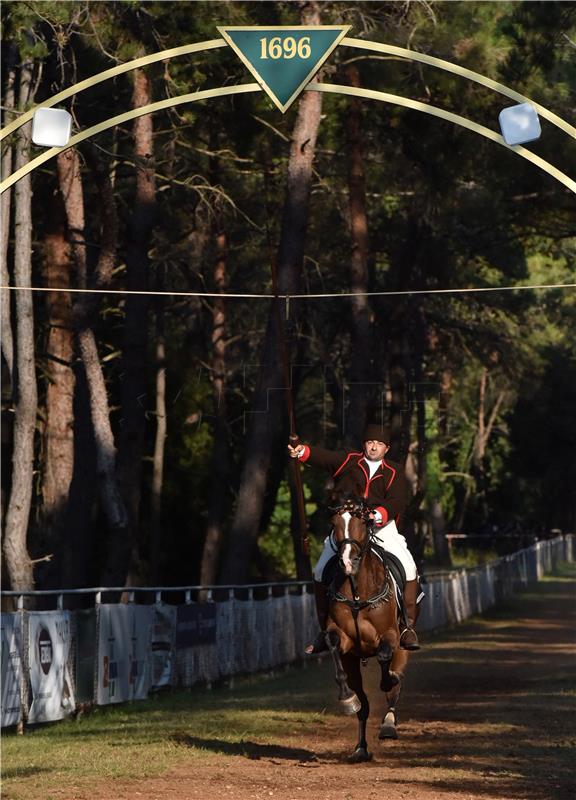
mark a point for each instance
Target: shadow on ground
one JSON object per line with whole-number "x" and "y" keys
{"x": 248, "y": 749}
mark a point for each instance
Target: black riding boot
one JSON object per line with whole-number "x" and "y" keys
{"x": 408, "y": 636}
{"x": 322, "y": 608}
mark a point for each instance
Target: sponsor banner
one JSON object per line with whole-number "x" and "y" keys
{"x": 49, "y": 642}
{"x": 163, "y": 636}
{"x": 85, "y": 654}
{"x": 124, "y": 637}
{"x": 11, "y": 668}
{"x": 196, "y": 624}
{"x": 140, "y": 654}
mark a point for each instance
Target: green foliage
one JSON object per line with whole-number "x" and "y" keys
{"x": 276, "y": 544}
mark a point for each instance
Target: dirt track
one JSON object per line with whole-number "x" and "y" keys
{"x": 488, "y": 712}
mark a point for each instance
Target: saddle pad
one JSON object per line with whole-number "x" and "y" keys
{"x": 394, "y": 565}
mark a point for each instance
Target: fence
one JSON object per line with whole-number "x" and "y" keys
{"x": 54, "y": 660}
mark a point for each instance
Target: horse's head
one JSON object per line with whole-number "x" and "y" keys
{"x": 350, "y": 532}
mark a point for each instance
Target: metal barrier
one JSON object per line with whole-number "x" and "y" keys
{"x": 112, "y": 652}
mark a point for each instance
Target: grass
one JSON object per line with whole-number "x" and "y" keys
{"x": 149, "y": 737}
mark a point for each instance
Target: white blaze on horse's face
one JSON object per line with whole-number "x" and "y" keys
{"x": 347, "y": 552}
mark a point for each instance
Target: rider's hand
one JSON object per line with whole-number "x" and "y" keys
{"x": 295, "y": 452}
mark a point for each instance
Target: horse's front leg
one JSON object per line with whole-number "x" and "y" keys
{"x": 348, "y": 700}
{"x": 351, "y": 665}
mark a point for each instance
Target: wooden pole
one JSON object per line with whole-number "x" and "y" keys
{"x": 285, "y": 356}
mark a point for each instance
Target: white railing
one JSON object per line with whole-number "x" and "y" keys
{"x": 118, "y": 651}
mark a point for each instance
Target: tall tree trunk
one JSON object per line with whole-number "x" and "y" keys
{"x": 120, "y": 541}
{"x": 79, "y": 566}
{"x": 159, "y": 444}
{"x": 5, "y": 313}
{"x": 434, "y": 512}
{"x": 69, "y": 466}
{"x": 480, "y": 441}
{"x": 20, "y": 569}
{"x": 120, "y": 545}
{"x": 133, "y": 391}
{"x": 416, "y": 463}
{"x": 268, "y": 422}
{"x": 446, "y": 379}
{"x": 221, "y": 456}
{"x": 397, "y": 379}
{"x": 58, "y": 449}
{"x": 362, "y": 388}
{"x": 438, "y": 523}
{"x": 486, "y": 422}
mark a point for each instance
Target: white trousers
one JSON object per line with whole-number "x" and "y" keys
{"x": 390, "y": 539}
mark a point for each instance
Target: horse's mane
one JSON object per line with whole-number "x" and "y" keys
{"x": 338, "y": 499}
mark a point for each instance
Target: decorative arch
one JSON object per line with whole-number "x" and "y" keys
{"x": 321, "y": 87}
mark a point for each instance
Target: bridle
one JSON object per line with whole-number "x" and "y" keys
{"x": 359, "y": 510}
{"x": 362, "y": 511}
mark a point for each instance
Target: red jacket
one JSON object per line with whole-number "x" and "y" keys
{"x": 387, "y": 490}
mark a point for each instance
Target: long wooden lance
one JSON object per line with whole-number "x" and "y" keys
{"x": 285, "y": 358}
{"x": 294, "y": 439}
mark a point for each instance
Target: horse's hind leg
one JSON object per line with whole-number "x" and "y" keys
{"x": 352, "y": 666}
{"x": 349, "y": 702}
{"x": 390, "y": 719}
{"x": 389, "y": 677}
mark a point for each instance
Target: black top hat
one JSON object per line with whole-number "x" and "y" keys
{"x": 377, "y": 433}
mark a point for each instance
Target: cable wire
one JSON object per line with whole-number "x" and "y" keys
{"x": 309, "y": 296}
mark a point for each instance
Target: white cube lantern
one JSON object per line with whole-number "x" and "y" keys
{"x": 519, "y": 124}
{"x": 51, "y": 127}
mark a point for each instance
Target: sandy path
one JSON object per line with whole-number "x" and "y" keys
{"x": 488, "y": 712}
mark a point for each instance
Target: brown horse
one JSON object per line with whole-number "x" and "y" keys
{"x": 363, "y": 620}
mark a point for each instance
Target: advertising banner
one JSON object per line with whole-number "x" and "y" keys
{"x": 196, "y": 624}
{"x": 49, "y": 642}
{"x": 163, "y": 637}
{"x": 85, "y": 654}
{"x": 124, "y": 639}
{"x": 11, "y": 668}
{"x": 141, "y": 651}
{"x": 199, "y": 656}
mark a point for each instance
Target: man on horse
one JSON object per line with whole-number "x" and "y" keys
{"x": 381, "y": 483}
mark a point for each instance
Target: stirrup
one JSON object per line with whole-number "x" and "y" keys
{"x": 410, "y": 642}
{"x": 319, "y": 645}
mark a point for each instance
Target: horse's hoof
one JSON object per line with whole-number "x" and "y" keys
{"x": 351, "y": 705}
{"x": 319, "y": 645}
{"x": 359, "y": 756}
{"x": 392, "y": 680}
{"x": 388, "y": 731}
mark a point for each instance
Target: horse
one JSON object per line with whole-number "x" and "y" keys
{"x": 363, "y": 620}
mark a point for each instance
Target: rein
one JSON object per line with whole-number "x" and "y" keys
{"x": 356, "y": 604}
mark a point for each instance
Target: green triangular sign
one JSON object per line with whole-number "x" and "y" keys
{"x": 284, "y": 59}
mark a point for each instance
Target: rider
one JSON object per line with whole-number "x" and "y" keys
{"x": 383, "y": 484}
